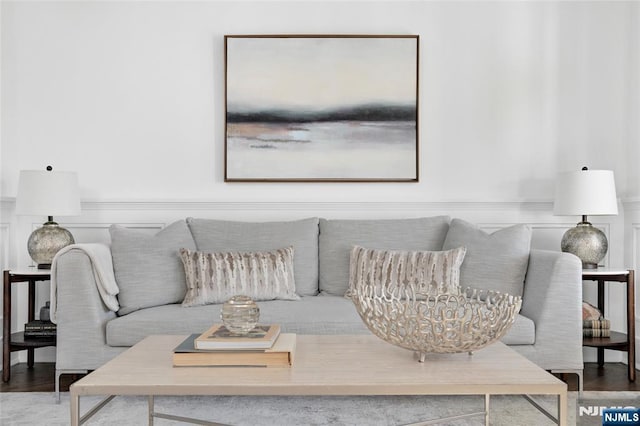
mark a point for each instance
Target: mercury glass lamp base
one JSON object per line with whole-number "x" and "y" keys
{"x": 587, "y": 242}
{"x": 46, "y": 241}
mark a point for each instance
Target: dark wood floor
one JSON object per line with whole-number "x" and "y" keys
{"x": 613, "y": 377}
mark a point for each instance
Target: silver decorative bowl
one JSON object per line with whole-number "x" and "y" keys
{"x": 463, "y": 321}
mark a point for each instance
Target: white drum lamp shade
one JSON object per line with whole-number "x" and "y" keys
{"x": 586, "y": 192}
{"x": 48, "y": 193}
{"x": 583, "y": 193}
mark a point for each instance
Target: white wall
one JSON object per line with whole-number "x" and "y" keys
{"x": 130, "y": 95}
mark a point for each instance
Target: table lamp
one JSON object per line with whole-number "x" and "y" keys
{"x": 48, "y": 193}
{"x": 582, "y": 193}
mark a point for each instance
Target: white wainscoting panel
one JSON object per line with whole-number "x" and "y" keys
{"x": 99, "y": 232}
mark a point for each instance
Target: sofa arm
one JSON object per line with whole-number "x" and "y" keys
{"x": 81, "y": 315}
{"x": 553, "y": 300}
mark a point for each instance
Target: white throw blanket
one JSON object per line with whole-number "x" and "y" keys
{"x": 102, "y": 267}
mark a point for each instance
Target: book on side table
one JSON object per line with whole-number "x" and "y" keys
{"x": 219, "y": 338}
{"x": 596, "y": 328}
{"x": 279, "y": 355}
{"x": 39, "y": 329}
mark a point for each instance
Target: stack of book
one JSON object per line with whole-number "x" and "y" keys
{"x": 596, "y": 328}
{"x": 39, "y": 330}
{"x": 264, "y": 346}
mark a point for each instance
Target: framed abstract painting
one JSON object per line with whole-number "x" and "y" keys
{"x": 316, "y": 108}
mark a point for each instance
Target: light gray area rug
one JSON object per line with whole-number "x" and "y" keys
{"x": 37, "y": 408}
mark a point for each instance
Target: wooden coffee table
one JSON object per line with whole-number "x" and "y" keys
{"x": 323, "y": 365}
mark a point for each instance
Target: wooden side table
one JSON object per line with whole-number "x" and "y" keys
{"x": 617, "y": 341}
{"x": 16, "y": 341}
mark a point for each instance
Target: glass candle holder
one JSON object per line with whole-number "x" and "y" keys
{"x": 240, "y": 314}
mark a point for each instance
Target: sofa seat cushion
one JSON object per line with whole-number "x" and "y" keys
{"x": 337, "y": 238}
{"x": 213, "y": 235}
{"x": 309, "y": 315}
{"x": 522, "y": 332}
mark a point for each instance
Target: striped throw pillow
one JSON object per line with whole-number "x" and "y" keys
{"x": 216, "y": 277}
{"x": 407, "y": 272}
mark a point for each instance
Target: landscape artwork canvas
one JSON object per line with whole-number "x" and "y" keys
{"x": 321, "y": 108}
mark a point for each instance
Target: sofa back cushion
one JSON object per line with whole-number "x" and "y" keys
{"x": 337, "y": 237}
{"x": 148, "y": 268}
{"x": 496, "y": 261}
{"x": 216, "y": 277}
{"x": 220, "y": 235}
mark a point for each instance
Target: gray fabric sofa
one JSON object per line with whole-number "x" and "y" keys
{"x": 547, "y": 330}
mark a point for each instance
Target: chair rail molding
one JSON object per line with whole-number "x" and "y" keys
{"x": 311, "y": 205}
